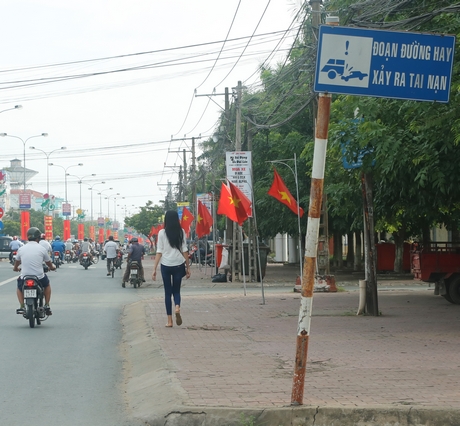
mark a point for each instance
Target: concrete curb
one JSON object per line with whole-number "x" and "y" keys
{"x": 155, "y": 395}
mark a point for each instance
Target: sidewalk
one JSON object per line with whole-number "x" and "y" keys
{"x": 231, "y": 362}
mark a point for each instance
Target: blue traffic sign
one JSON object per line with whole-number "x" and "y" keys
{"x": 388, "y": 64}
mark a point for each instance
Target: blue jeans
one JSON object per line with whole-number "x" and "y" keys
{"x": 172, "y": 279}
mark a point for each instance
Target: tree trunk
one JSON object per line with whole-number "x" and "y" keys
{"x": 338, "y": 257}
{"x": 426, "y": 235}
{"x": 358, "y": 262}
{"x": 399, "y": 238}
{"x": 350, "y": 251}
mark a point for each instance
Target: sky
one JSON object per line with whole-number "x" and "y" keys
{"x": 114, "y": 81}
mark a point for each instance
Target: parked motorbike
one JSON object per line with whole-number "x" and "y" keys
{"x": 134, "y": 278}
{"x": 196, "y": 257}
{"x": 68, "y": 256}
{"x": 57, "y": 259}
{"x": 13, "y": 257}
{"x": 85, "y": 260}
{"x": 118, "y": 260}
{"x": 33, "y": 299}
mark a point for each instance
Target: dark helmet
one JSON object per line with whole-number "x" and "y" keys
{"x": 57, "y": 238}
{"x": 134, "y": 240}
{"x": 33, "y": 234}
{"x": 110, "y": 237}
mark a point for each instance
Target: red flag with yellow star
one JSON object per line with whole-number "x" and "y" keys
{"x": 187, "y": 219}
{"x": 203, "y": 220}
{"x": 280, "y": 191}
{"x": 226, "y": 206}
{"x": 241, "y": 203}
{"x": 234, "y": 204}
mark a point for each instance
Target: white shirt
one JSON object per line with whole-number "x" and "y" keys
{"x": 110, "y": 249}
{"x": 32, "y": 255}
{"x": 86, "y": 247}
{"x": 170, "y": 256}
{"x": 15, "y": 245}
{"x": 46, "y": 244}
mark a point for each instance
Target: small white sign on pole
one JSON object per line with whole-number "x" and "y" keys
{"x": 239, "y": 171}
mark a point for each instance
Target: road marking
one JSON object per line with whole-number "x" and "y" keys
{"x": 8, "y": 281}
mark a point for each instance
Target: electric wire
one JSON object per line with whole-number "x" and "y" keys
{"x": 223, "y": 45}
{"x": 247, "y": 44}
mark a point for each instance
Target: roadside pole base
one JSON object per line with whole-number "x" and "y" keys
{"x": 298, "y": 285}
{"x": 325, "y": 283}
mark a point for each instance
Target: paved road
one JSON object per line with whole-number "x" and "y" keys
{"x": 67, "y": 371}
{"x": 105, "y": 358}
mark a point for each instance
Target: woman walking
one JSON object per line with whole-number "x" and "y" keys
{"x": 172, "y": 253}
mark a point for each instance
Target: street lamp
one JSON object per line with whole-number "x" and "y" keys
{"x": 47, "y": 155}
{"x": 108, "y": 203}
{"x": 115, "y": 207}
{"x": 100, "y": 199}
{"x": 65, "y": 174}
{"x": 15, "y": 107}
{"x": 80, "y": 181}
{"x": 91, "y": 189}
{"x": 24, "y": 150}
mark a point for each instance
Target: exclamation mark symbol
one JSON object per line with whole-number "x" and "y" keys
{"x": 347, "y": 43}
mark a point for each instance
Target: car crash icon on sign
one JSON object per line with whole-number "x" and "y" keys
{"x": 345, "y": 60}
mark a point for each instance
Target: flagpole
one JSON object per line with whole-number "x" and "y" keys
{"x": 298, "y": 205}
{"x": 258, "y": 249}
{"x": 242, "y": 258}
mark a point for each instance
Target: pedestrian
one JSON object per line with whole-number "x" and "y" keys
{"x": 172, "y": 253}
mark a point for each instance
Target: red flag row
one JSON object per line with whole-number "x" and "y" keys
{"x": 235, "y": 205}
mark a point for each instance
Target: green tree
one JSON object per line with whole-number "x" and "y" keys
{"x": 150, "y": 215}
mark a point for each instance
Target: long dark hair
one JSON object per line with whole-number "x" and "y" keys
{"x": 173, "y": 230}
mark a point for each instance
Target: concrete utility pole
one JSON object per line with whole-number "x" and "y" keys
{"x": 311, "y": 242}
{"x": 237, "y": 243}
{"x": 193, "y": 171}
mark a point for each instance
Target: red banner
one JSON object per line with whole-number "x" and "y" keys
{"x": 101, "y": 235}
{"x": 115, "y": 235}
{"x": 108, "y": 233}
{"x": 92, "y": 235}
{"x": 81, "y": 231}
{"x": 49, "y": 227}
{"x": 25, "y": 224}
{"x": 66, "y": 229}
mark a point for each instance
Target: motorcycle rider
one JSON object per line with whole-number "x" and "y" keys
{"x": 43, "y": 242}
{"x": 58, "y": 245}
{"x": 110, "y": 249}
{"x": 204, "y": 247}
{"x": 31, "y": 257}
{"x": 69, "y": 246}
{"x": 15, "y": 244}
{"x": 86, "y": 247}
{"x": 135, "y": 252}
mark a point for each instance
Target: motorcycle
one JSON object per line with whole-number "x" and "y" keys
{"x": 68, "y": 256}
{"x": 33, "y": 299}
{"x": 134, "y": 278}
{"x": 57, "y": 259}
{"x": 118, "y": 260}
{"x": 13, "y": 257}
{"x": 85, "y": 260}
{"x": 95, "y": 254}
{"x": 196, "y": 257}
